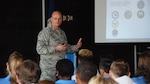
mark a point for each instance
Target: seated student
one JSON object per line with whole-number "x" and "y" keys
{"x": 101, "y": 80}
{"x": 142, "y": 75}
{"x": 104, "y": 67}
{"x": 28, "y": 72}
{"x": 14, "y": 60}
{"x": 85, "y": 71}
{"x": 83, "y": 55}
{"x": 119, "y": 71}
{"x": 64, "y": 71}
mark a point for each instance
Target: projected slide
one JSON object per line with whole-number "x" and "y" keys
{"x": 127, "y": 19}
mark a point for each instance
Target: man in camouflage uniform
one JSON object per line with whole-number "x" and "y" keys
{"x": 52, "y": 46}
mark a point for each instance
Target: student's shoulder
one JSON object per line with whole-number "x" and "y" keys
{"x": 5, "y": 80}
{"x": 139, "y": 80}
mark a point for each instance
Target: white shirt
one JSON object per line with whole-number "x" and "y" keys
{"x": 124, "y": 80}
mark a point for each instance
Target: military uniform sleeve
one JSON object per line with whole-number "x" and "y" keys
{"x": 72, "y": 49}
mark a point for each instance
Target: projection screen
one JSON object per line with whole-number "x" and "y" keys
{"x": 122, "y": 21}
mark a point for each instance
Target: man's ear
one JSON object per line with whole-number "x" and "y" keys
{"x": 57, "y": 73}
{"x": 7, "y": 66}
{"x": 129, "y": 74}
{"x": 110, "y": 72}
{"x": 79, "y": 61}
{"x": 101, "y": 71}
{"x": 49, "y": 20}
{"x": 77, "y": 76}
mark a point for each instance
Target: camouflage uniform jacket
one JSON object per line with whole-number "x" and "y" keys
{"x": 47, "y": 40}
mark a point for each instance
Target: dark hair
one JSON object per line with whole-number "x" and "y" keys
{"x": 105, "y": 64}
{"x": 144, "y": 66}
{"x": 86, "y": 70}
{"x": 28, "y": 72}
{"x": 65, "y": 67}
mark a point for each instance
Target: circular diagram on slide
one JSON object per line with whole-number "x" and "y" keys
{"x": 127, "y": 14}
{"x": 115, "y": 14}
{"x": 140, "y": 4}
{"x": 115, "y": 23}
{"x": 140, "y": 14}
{"x": 115, "y": 33}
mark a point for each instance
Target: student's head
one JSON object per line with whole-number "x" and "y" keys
{"x": 28, "y": 72}
{"x": 104, "y": 66}
{"x": 56, "y": 19}
{"x": 14, "y": 60}
{"x": 64, "y": 68}
{"x": 144, "y": 60}
{"x": 101, "y": 80}
{"x": 119, "y": 68}
{"x": 84, "y": 55}
{"x": 85, "y": 71}
{"x": 144, "y": 66}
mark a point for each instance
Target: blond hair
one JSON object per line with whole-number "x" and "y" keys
{"x": 85, "y": 53}
{"x": 14, "y": 60}
{"x": 101, "y": 80}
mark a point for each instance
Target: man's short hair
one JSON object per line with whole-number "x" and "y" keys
{"x": 86, "y": 70}
{"x": 65, "y": 67}
{"x": 28, "y": 72}
{"x": 120, "y": 68}
{"x": 105, "y": 64}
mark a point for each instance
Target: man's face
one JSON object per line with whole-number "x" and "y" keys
{"x": 56, "y": 19}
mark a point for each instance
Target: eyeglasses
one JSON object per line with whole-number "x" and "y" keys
{"x": 56, "y": 18}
